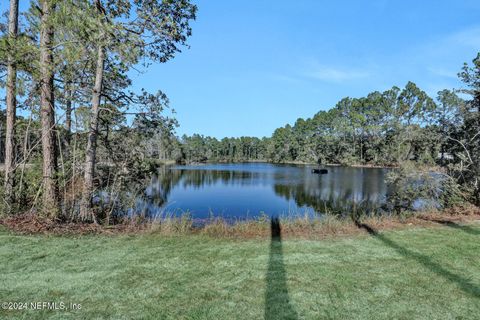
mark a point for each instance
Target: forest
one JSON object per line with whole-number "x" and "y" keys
{"x": 73, "y": 128}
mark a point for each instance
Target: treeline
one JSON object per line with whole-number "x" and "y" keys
{"x": 73, "y": 129}
{"x": 198, "y": 148}
{"x": 383, "y": 128}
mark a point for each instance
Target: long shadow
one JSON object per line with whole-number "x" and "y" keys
{"x": 454, "y": 225}
{"x": 277, "y": 300}
{"x": 463, "y": 283}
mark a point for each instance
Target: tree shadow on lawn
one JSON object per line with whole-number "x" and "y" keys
{"x": 277, "y": 300}
{"x": 454, "y": 225}
{"x": 463, "y": 283}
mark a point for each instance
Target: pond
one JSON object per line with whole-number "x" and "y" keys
{"x": 250, "y": 190}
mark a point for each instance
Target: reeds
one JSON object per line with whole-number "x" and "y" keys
{"x": 299, "y": 226}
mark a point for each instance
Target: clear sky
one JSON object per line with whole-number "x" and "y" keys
{"x": 255, "y": 65}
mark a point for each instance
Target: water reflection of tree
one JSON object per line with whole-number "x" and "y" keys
{"x": 199, "y": 178}
{"x": 156, "y": 194}
{"x": 344, "y": 191}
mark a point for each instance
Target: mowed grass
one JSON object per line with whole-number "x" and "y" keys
{"x": 416, "y": 273}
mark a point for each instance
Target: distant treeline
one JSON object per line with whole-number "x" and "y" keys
{"x": 198, "y": 148}
{"x": 383, "y": 128}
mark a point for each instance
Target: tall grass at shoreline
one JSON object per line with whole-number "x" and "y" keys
{"x": 300, "y": 225}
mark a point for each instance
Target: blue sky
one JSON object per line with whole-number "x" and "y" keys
{"x": 255, "y": 65}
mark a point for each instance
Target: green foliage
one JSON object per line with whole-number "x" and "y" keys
{"x": 27, "y": 187}
{"x": 465, "y": 135}
{"x": 413, "y": 187}
{"x": 134, "y": 128}
{"x": 383, "y": 128}
{"x": 198, "y": 148}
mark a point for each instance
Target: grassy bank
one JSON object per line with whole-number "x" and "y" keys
{"x": 296, "y": 227}
{"x": 415, "y": 273}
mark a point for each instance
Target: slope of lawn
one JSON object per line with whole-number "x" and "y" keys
{"x": 417, "y": 273}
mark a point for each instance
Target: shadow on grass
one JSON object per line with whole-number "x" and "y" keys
{"x": 454, "y": 225}
{"x": 277, "y": 300}
{"x": 463, "y": 283}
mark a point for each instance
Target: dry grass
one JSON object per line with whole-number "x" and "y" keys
{"x": 301, "y": 227}
{"x": 31, "y": 223}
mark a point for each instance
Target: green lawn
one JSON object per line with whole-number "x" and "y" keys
{"x": 410, "y": 274}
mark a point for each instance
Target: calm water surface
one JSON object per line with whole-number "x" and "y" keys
{"x": 249, "y": 190}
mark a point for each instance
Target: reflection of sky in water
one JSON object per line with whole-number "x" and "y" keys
{"x": 239, "y": 191}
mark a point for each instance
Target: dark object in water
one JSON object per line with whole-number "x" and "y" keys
{"x": 320, "y": 171}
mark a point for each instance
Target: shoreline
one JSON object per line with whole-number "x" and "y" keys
{"x": 289, "y": 162}
{"x": 297, "y": 228}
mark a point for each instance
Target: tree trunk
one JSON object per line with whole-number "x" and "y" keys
{"x": 11, "y": 111}
{"x": 68, "y": 112}
{"x": 90, "y": 154}
{"x": 49, "y": 145}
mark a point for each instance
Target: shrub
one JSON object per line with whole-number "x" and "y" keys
{"x": 413, "y": 188}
